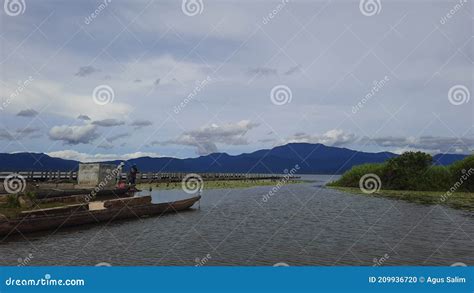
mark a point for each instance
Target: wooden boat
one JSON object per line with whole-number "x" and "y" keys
{"x": 95, "y": 212}
{"x": 53, "y": 193}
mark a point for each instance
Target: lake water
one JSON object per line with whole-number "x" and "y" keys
{"x": 301, "y": 224}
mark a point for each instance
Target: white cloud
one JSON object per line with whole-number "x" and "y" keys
{"x": 84, "y": 117}
{"x": 19, "y": 134}
{"x": 428, "y": 144}
{"x": 117, "y": 136}
{"x": 105, "y": 145}
{"x": 334, "y": 137}
{"x": 168, "y": 68}
{"x": 27, "y": 113}
{"x": 74, "y": 134}
{"x": 431, "y": 144}
{"x": 108, "y": 122}
{"x": 141, "y": 123}
{"x": 262, "y": 71}
{"x": 84, "y": 157}
{"x": 206, "y": 137}
{"x": 54, "y": 98}
{"x": 86, "y": 70}
{"x": 28, "y": 132}
{"x": 6, "y": 135}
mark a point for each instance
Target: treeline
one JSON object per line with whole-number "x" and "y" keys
{"x": 414, "y": 171}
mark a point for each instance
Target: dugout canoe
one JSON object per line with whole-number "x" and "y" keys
{"x": 53, "y": 193}
{"x": 81, "y": 214}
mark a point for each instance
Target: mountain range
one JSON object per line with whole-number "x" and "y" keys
{"x": 311, "y": 159}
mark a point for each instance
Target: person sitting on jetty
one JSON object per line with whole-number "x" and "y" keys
{"x": 133, "y": 174}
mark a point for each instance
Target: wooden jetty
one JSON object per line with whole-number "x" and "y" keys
{"x": 58, "y": 176}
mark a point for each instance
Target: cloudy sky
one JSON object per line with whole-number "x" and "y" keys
{"x": 94, "y": 80}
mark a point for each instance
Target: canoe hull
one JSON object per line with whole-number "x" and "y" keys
{"x": 43, "y": 194}
{"x": 53, "y": 222}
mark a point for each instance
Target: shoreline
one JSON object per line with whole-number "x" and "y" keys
{"x": 457, "y": 200}
{"x": 216, "y": 184}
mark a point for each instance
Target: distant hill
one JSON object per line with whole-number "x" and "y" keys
{"x": 34, "y": 162}
{"x": 311, "y": 158}
{"x": 447, "y": 159}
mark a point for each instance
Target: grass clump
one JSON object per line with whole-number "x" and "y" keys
{"x": 214, "y": 184}
{"x": 457, "y": 200}
{"x": 12, "y": 201}
{"x": 413, "y": 177}
{"x": 414, "y": 171}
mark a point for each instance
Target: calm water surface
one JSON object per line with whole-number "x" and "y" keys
{"x": 302, "y": 224}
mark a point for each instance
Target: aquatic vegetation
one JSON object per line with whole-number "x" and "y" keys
{"x": 215, "y": 184}
{"x": 414, "y": 171}
{"x": 458, "y": 200}
{"x": 414, "y": 178}
{"x": 12, "y": 201}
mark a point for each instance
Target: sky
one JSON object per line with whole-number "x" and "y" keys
{"x": 100, "y": 80}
